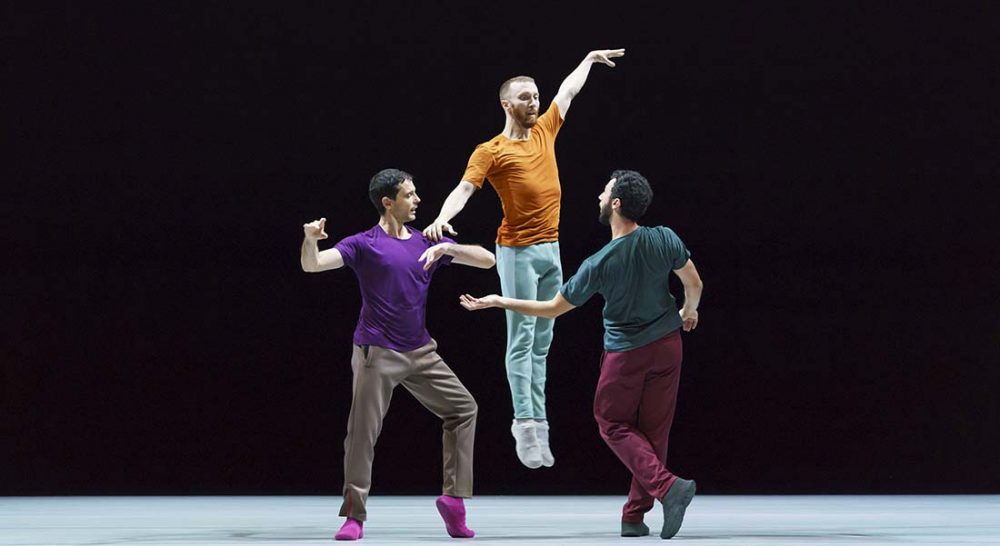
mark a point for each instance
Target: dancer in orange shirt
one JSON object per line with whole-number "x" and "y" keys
{"x": 520, "y": 163}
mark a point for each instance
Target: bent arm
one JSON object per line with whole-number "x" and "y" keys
{"x": 692, "y": 285}
{"x": 473, "y": 255}
{"x": 573, "y": 83}
{"x": 314, "y": 261}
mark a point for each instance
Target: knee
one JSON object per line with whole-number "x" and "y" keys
{"x": 519, "y": 354}
{"x": 469, "y": 410}
{"x": 606, "y": 424}
{"x": 610, "y": 430}
{"x": 523, "y": 339}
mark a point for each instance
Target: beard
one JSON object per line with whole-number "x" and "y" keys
{"x": 527, "y": 120}
{"x": 605, "y": 216}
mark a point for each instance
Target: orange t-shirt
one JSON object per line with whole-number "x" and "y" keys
{"x": 525, "y": 176}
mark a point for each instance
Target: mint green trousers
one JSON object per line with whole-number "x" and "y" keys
{"x": 528, "y": 273}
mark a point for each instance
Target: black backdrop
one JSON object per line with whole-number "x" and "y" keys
{"x": 831, "y": 168}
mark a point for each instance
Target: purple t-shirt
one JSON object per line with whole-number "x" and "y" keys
{"x": 393, "y": 287}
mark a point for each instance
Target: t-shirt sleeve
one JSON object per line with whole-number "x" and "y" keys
{"x": 350, "y": 250}
{"x": 582, "y": 286}
{"x": 677, "y": 254}
{"x": 551, "y": 121}
{"x": 480, "y": 163}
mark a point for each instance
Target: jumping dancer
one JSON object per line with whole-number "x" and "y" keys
{"x": 520, "y": 163}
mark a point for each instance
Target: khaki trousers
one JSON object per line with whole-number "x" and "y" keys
{"x": 377, "y": 371}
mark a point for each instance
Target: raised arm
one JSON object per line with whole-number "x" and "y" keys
{"x": 473, "y": 255}
{"x": 692, "y": 294}
{"x": 546, "y": 309}
{"x": 452, "y": 205}
{"x": 574, "y": 82}
{"x": 314, "y": 261}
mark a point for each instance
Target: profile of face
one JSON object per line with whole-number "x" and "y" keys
{"x": 604, "y": 201}
{"x": 404, "y": 207}
{"x": 522, "y": 103}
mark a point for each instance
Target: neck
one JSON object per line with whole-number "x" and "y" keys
{"x": 515, "y": 131}
{"x": 621, "y": 227}
{"x": 393, "y": 228}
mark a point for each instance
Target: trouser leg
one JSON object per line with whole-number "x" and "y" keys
{"x": 374, "y": 379}
{"x": 620, "y": 391}
{"x": 518, "y": 280}
{"x": 656, "y": 416}
{"x": 549, "y": 269}
{"x": 439, "y": 390}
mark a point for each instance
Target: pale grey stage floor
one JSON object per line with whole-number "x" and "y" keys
{"x": 225, "y": 521}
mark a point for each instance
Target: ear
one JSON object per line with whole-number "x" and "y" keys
{"x": 616, "y": 203}
{"x": 387, "y": 203}
{"x": 505, "y": 104}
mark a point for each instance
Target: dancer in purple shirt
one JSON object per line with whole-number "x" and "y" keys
{"x": 394, "y": 264}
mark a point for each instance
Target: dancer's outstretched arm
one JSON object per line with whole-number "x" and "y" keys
{"x": 546, "y": 309}
{"x": 473, "y": 255}
{"x": 574, "y": 82}
{"x": 314, "y": 261}
{"x": 453, "y": 204}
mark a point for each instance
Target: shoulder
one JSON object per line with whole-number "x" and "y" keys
{"x": 551, "y": 120}
{"x": 593, "y": 261}
{"x": 597, "y": 259}
{"x": 553, "y": 110}
{"x": 662, "y": 233}
{"x": 491, "y": 146}
{"x": 366, "y": 237}
{"x": 670, "y": 236}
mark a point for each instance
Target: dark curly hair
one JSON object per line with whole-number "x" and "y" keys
{"x": 386, "y": 183}
{"x": 634, "y": 192}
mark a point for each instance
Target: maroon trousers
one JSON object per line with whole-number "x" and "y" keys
{"x": 634, "y": 408}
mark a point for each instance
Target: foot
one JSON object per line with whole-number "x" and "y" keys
{"x": 638, "y": 529}
{"x": 542, "y": 433}
{"x": 452, "y": 510}
{"x": 352, "y": 529}
{"x": 527, "y": 443}
{"x": 675, "y": 502}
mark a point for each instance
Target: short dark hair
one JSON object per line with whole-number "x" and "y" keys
{"x": 634, "y": 192}
{"x": 505, "y": 86}
{"x": 386, "y": 183}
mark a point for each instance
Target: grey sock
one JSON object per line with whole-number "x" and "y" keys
{"x": 639, "y": 529}
{"x": 675, "y": 503}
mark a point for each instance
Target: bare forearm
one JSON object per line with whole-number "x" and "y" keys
{"x": 692, "y": 295}
{"x": 456, "y": 201}
{"x": 544, "y": 309}
{"x": 473, "y": 255}
{"x": 574, "y": 82}
{"x": 310, "y": 255}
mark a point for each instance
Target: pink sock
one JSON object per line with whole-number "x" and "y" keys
{"x": 352, "y": 529}
{"x": 452, "y": 510}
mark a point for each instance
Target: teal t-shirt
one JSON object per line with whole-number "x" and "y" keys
{"x": 632, "y": 273}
